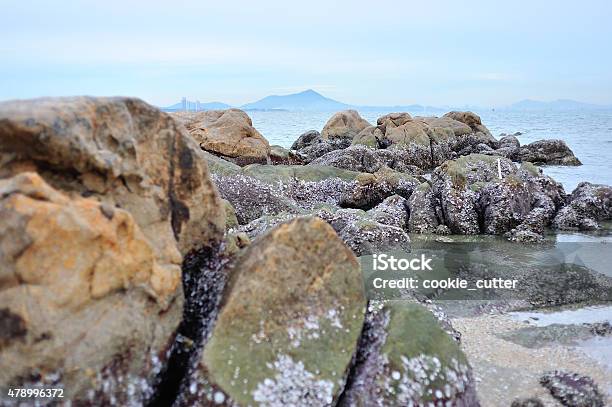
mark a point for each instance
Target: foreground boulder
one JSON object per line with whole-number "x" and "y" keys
{"x": 407, "y": 359}
{"x": 227, "y": 133}
{"x": 549, "y": 152}
{"x": 588, "y": 205}
{"x": 86, "y": 304}
{"x": 91, "y": 265}
{"x": 290, "y": 321}
{"x": 344, "y": 125}
{"x": 123, "y": 152}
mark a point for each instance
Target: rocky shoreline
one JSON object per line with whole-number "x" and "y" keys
{"x": 157, "y": 259}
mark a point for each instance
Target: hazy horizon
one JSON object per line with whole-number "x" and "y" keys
{"x": 441, "y": 53}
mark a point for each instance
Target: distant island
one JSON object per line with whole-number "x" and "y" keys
{"x": 310, "y": 100}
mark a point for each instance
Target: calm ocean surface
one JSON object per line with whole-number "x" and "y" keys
{"x": 588, "y": 133}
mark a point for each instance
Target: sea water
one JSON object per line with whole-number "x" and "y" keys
{"x": 588, "y": 133}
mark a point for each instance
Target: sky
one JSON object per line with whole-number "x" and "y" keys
{"x": 482, "y": 53}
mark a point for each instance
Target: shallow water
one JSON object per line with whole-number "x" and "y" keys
{"x": 588, "y": 133}
{"x": 592, "y": 314}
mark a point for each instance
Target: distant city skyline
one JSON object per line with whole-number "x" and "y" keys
{"x": 439, "y": 53}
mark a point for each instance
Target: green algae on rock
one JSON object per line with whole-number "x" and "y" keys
{"x": 290, "y": 320}
{"x": 406, "y": 359}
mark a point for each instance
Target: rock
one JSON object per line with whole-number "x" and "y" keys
{"x": 509, "y": 141}
{"x": 280, "y": 155}
{"x": 530, "y": 402}
{"x": 372, "y": 189}
{"x": 231, "y": 221}
{"x": 505, "y": 204}
{"x": 470, "y": 119}
{"x": 588, "y": 204}
{"x": 217, "y": 165}
{"x": 311, "y": 153}
{"x": 88, "y": 305}
{"x": 264, "y": 223}
{"x": 252, "y": 198}
{"x": 365, "y": 159}
{"x": 459, "y": 128}
{"x": 227, "y": 133}
{"x": 393, "y": 120}
{"x": 425, "y": 210}
{"x": 307, "y": 139}
{"x": 405, "y": 358}
{"x": 124, "y": 153}
{"x": 364, "y": 235}
{"x": 572, "y": 389}
{"x": 475, "y": 200}
{"x": 549, "y": 152}
{"x": 344, "y": 125}
{"x": 456, "y": 183}
{"x": 355, "y": 158}
{"x": 290, "y": 321}
{"x": 372, "y": 136}
{"x": 272, "y": 174}
{"x": 412, "y": 137}
{"x": 393, "y": 211}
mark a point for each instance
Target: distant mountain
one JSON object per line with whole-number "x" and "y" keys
{"x": 192, "y": 106}
{"x": 306, "y": 100}
{"x": 560, "y": 104}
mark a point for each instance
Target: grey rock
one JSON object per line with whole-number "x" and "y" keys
{"x": 588, "y": 204}
{"x": 549, "y": 152}
{"x": 572, "y": 389}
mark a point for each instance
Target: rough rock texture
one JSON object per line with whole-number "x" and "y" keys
{"x": 363, "y": 234}
{"x": 372, "y": 136}
{"x": 572, "y": 389}
{"x": 549, "y": 152}
{"x": 406, "y": 359}
{"x": 124, "y": 153}
{"x": 366, "y": 159}
{"x": 280, "y": 155}
{"x": 122, "y": 193}
{"x": 372, "y": 189}
{"x": 530, "y": 402}
{"x": 392, "y": 120}
{"x": 475, "y": 200}
{"x": 425, "y": 210}
{"x": 286, "y": 173}
{"x": 393, "y": 211}
{"x": 228, "y": 133}
{"x": 90, "y": 303}
{"x": 588, "y": 204}
{"x": 470, "y": 119}
{"x": 344, "y": 125}
{"x": 252, "y": 198}
{"x": 307, "y": 139}
{"x": 289, "y": 323}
